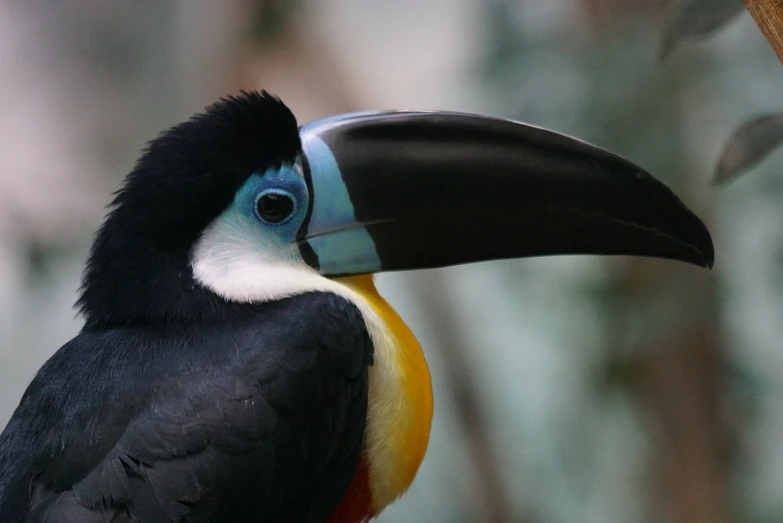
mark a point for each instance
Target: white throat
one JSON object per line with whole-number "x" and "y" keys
{"x": 242, "y": 267}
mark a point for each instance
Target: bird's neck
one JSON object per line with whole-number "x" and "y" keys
{"x": 399, "y": 404}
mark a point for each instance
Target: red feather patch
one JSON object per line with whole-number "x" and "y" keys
{"x": 355, "y": 505}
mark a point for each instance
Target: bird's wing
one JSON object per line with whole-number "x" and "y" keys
{"x": 262, "y": 421}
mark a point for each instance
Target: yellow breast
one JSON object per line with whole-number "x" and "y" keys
{"x": 400, "y": 400}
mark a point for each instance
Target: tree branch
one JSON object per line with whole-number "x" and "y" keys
{"x": 768, "y": 15}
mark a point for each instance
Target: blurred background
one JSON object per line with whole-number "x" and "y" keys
{"x": 567, "y": 389}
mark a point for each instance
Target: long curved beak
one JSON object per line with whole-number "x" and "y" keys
{"x": 410, "y": 190}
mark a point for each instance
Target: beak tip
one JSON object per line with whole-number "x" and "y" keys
{"x": 703, "y": 247}
{"x": 707, "y": 262}
{"x": 709, "y": 259}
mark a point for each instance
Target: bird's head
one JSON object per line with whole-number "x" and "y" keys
{"x": 240, "y": 205}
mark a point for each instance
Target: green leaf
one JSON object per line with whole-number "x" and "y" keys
{"x": 749, "y": 144}
{"x": 696, "y": 19}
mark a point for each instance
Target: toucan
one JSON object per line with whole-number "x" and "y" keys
{"x": 236, "y": 362}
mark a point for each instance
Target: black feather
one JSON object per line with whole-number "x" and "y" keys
{"x": 138, "y": 271}
{"x": 259, "y": 419}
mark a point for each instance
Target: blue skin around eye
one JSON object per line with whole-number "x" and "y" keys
{"x": 345, "y": 247}
{"x": 281, "y": 181}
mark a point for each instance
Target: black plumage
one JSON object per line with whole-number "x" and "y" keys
{"x": 255, "y": 419}
{"x": 173, "y": 404}
{"x": 185, "y": 179}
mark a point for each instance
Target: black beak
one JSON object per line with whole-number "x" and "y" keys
{"x": 409, "y": 190}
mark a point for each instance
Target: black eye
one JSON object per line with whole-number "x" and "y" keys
{"x": 274, "y": 208}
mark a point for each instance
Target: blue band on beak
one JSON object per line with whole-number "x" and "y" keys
{"x": 342, "y": 245}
